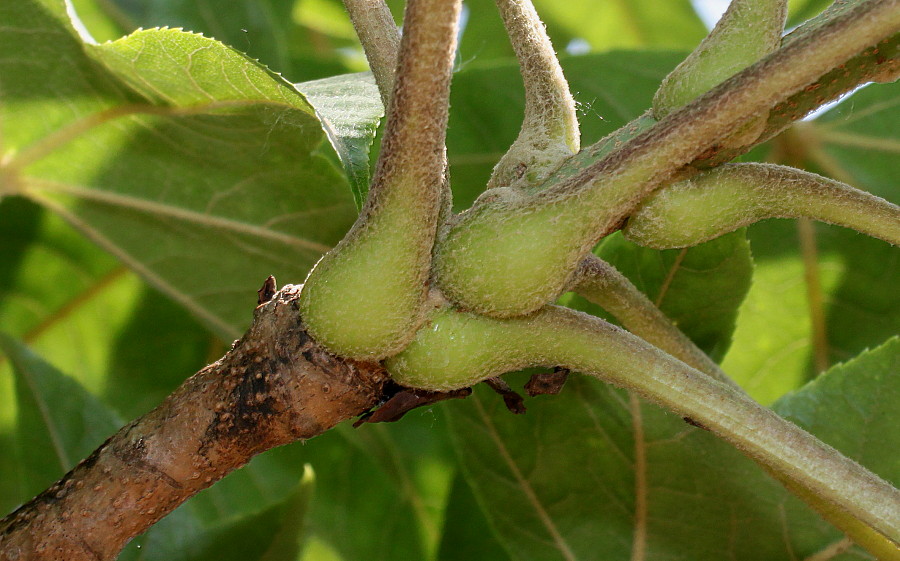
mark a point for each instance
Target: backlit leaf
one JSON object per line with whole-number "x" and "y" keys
{"x": 776, "y": 342}
{"x": 350, "y": 109}
{"x": 196, "y": 167}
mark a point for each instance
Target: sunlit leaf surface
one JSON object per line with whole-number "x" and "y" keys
{"x": 195, "y": 166}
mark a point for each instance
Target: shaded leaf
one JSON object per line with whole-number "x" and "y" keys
{"x": 521, "y": 469}
{"x": 355, "y": 491}
{"x": 773, "y": 342}
{"x": 12, "y": 493}
{"x": 863, "y": 308}
{"x": 860, "y": 307}
{"x": 593, "y": 474}
{"x": 136, "y": 380}
{"x": 467, "y": 533}
{"x": 58, "y": 424}
{"x": 397, "y": 475}
{"x": 771, "y": 351}
{"x": 57, "y": 286}
{"x": 39, "y": 253}
{"x": 64, "y": 289}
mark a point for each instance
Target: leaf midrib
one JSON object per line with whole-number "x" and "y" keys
{"x": 523, "y": 483}
{"x": 150, "y": 207}
{"x": 71, "y": 131}
{"x": 187, "y": 301}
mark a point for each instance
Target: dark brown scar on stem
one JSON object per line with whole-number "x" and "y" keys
{"x": 253, "y": 400}
{"x": 134, "y": 456}
{"x": 694, "y": 423}
{"x": 403, "y": 400}
{"x": 547, "y": 383}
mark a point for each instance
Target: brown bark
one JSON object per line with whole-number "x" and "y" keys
{"x": 275, "y": 386}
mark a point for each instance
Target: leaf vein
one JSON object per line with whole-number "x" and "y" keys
{"x": 154, "y": 208}
{"x": 525, "y": 487}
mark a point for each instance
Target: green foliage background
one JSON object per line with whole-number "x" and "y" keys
{"x": 158, "y": 179}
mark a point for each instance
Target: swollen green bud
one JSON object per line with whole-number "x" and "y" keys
{"x": 726, "y": 198}
{"x": 366, "y": 298}
{"x": 509, "y": 256}
{"x": 514, "y": 251}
